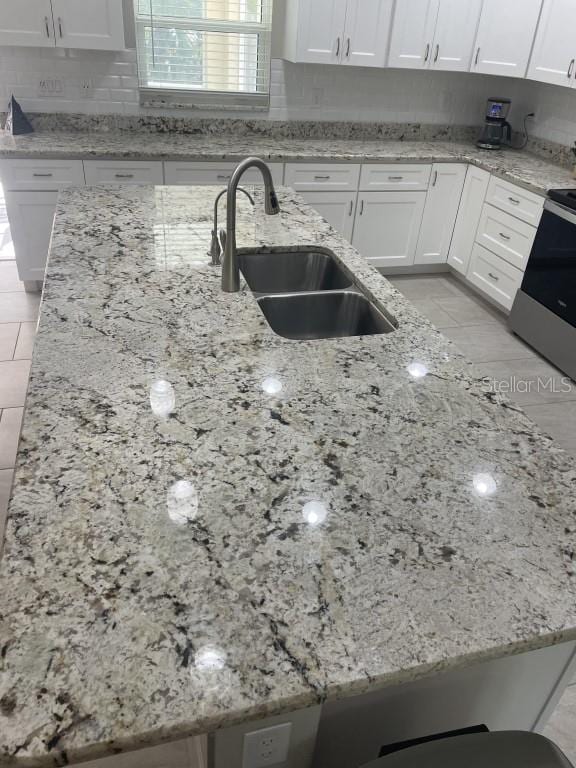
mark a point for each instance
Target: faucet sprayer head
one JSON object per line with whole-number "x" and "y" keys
{"x": 271, "y": 205}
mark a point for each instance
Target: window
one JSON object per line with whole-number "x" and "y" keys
{"x": 209, "y": 51}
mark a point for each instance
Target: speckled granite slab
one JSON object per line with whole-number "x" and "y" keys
{"x": 524, "y": 169}
{"x": 134, "y": 610}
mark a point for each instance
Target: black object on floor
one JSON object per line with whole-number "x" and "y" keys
{"x": 398, "y": 745}
{"x": 494, "y": 749}
{"x": 16, "y": 121}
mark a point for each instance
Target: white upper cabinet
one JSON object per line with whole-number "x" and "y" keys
{"x": 338, "y": 31}
{"x": 412, "y": 33}
{"x": 26, "y": 22}
{"x": 94, "y": 24}
{"x": 435, "y": 34}
{"x": 366, "y": 33}
{"x": 505, "y": 36}
{"x": 314, "y": 30}
{"x": 456, "y": 28}
{"x": 554, "y": 54}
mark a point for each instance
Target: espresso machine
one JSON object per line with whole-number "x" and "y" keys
{"x": 497, "y": 131}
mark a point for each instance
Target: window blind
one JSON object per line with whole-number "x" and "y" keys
{"x": 214, "y": 50}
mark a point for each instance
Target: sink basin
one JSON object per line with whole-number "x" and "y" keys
{"x": 282, "y": 271}
{"x": 323, "y": 315}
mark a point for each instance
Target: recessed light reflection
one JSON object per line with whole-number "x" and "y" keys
{"x": 314, "y": 513}
{"x": 484, "y": 484}
{"x": 272, "y": 385}
{"x": 417, "y": 370}
{"x": 162, "y": 398}
{"x": 182, "y": 499}
{"x": 210, "y": 657}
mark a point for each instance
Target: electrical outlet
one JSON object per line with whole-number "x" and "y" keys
{"x": 86, "y": 87}
{"x": 266, "y": 747}
{"x": 49, "y": 87}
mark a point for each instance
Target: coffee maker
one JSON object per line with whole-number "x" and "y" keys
{"x": 497, "y": 131}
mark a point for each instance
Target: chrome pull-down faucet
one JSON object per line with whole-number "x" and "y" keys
{"x": 230, "y": 266}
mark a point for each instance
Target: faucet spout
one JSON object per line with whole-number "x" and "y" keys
{"x": 230, "y": 266}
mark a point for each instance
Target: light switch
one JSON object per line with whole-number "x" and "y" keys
{"x": 266, "y": 747}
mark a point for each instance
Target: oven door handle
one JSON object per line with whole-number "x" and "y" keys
{"x": 561, "y": 211}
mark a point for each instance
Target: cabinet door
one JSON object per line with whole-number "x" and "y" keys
{"x": 26, "y": 22}
{"x": 440, "y": 213}
{"x": 94, "y": 24}
{"x": 31, "y": 216}
{"x": 320, "y": 31}
{"x": 413, "y": 33}
{"x": 555, "y": 47}
{"x": 505, "y": 36}
{"x": 336, "y": 207}
{"x": 387, "y": 227}
{"x": 469, "y": 212}
{"x": 456, "y": 29}
{"x": 367, "y": 31}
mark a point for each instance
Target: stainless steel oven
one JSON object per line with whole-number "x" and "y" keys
{"x": 544, "y": 311}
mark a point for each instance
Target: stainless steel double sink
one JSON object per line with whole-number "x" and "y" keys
{"x": 305, "y": 294}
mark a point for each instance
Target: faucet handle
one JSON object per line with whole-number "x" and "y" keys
{"x": 222, "y": 241}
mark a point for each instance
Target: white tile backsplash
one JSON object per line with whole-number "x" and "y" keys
{"x": 298, "y": 92}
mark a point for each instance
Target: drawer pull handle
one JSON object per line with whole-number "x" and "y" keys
{"x": 60, "y": 26}
{"x": 362, "y": 208}
{"x": 223, "y": 177}
{"x": 427, "y": 52}
{"x": 477, "y": 57}
{"x": 494, "y": 277}
{"x": 47, "y": 27}
{"x": 435, "y": 179}
{"x": 570, "y": 69}
{"x": 395, "y": 178}
{"x": 436, "y": 54}
{"x": 348, "y": 49}
{"x": 504, "y": 236}
{"x": 337, "y": 47}
{"x": 514, "y": 201}
{"x": 124, "y": 175}
{"x": 43, "y": 175}
{"x": 351, "y": 209}
{"x": 321, "y": 178}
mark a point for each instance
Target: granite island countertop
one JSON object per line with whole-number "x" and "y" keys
{"x": 525, "y": 169}
{"x": 135, "y": 609}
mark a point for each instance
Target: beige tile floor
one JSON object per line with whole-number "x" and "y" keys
{"x": 478, "y": 330}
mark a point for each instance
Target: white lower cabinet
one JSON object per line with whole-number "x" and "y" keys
{"x": 215, "y": 173}
{"x": 337, "y": 208}
{"x": 119, "y": 172}
{"x": 493, "y": 276}
{"x": 387, "y": 227}
{"x": 469, "y": 212}
{"x": 506, "y": 236}
{"x": 31, "y": 217}
{"x": 442, "y": 201}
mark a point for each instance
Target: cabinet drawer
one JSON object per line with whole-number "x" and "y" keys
{"x": 308, "y": 177}
{"x": 118, "y": 172}
{"x": 217, "y": 174}
{"x": 519, "y": 202}
{"x": 396, "y": 177}
{"x": 494, "y": 276}
{"x": 505, "y": 236}
{"x": 32, "y": 175}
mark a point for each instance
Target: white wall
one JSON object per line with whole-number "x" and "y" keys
{"x": 298, "y": 91}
